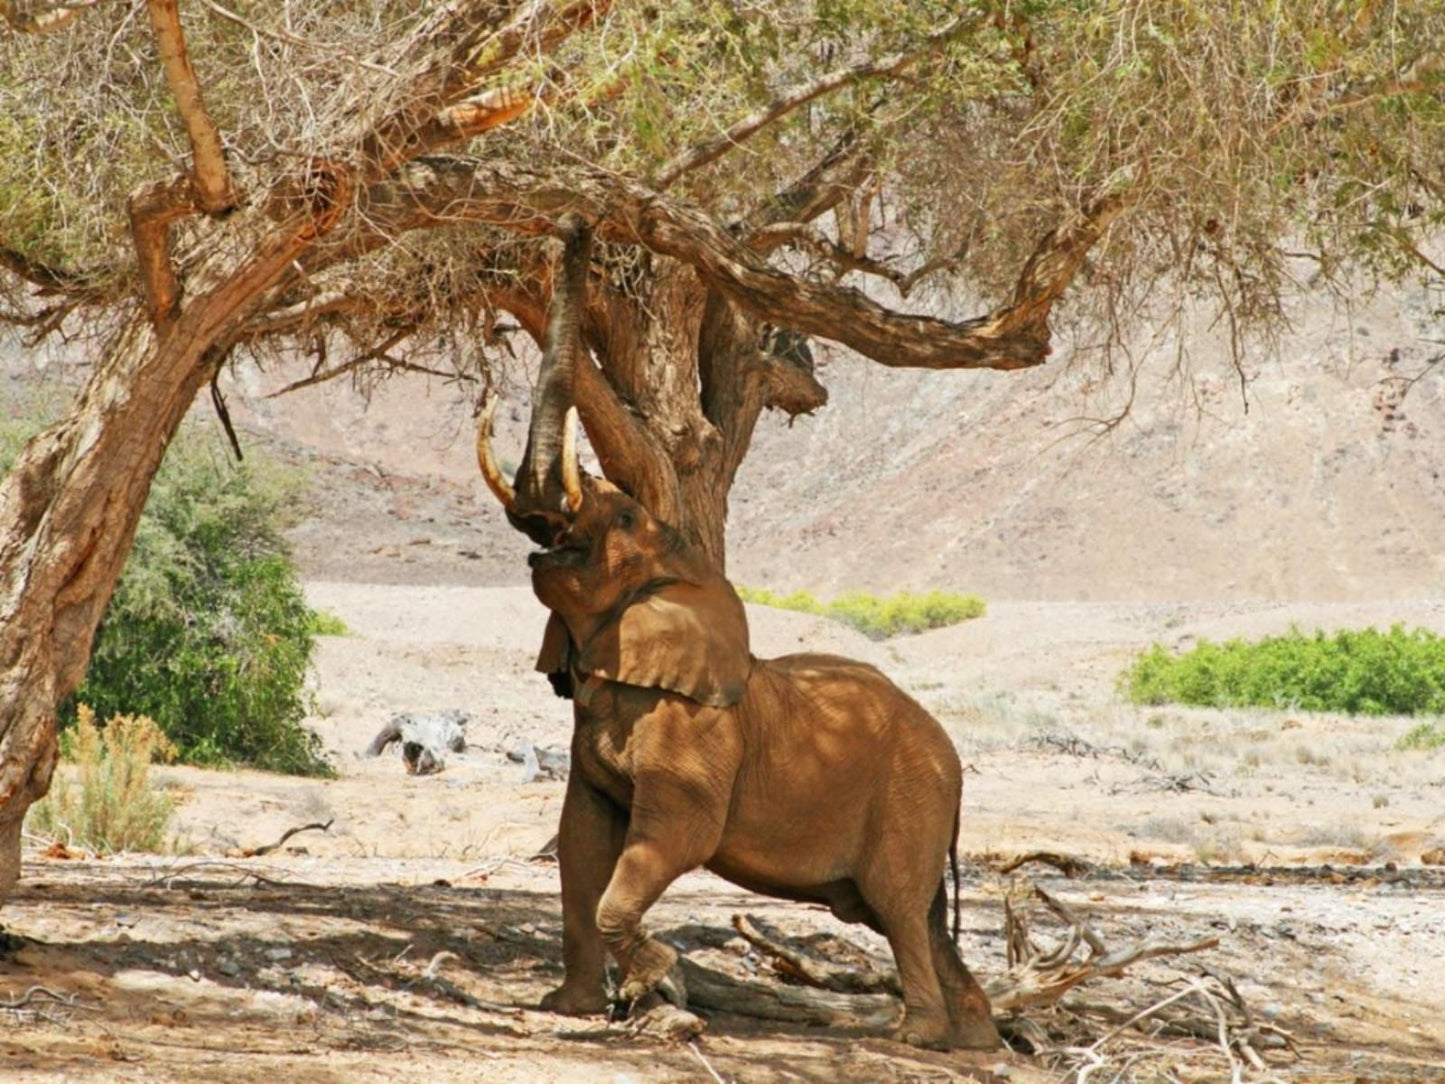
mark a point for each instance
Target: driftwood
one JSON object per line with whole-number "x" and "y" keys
{"x": 1037, "y": 977}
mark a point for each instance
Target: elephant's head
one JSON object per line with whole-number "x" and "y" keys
{"x": 631, "y": 599}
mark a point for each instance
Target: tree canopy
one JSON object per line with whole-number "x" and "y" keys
{"x": 1206, "y": 142}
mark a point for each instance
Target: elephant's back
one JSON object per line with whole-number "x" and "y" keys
{"x": 845, "y": 695}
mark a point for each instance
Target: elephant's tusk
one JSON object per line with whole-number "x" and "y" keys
{"x": 571, "y": 469}
{"x": 496, "y": 481}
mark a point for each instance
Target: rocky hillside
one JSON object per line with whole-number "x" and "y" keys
{"x": 1319, "y": 477}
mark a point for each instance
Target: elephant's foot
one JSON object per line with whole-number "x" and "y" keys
{"x": 974, "y": 1032}
{"x": 576, "y": 1000}
{"x": 928, "y": 1032}
{"x": 650, "y": 965}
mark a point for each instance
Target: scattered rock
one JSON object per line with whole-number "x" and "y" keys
{"x": 539, "y": 763}
{"x": 1433, "y": 857}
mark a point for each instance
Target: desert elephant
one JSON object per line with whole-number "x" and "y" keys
{"x": 808, "y": 777}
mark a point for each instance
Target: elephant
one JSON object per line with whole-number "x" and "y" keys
{"x": 808, "y": 777}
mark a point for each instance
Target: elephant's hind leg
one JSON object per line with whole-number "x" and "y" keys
{"x": 970, "y": 1018}
{"x": 589, "y": 840}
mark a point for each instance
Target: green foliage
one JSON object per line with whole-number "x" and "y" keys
{"x": 114, "y": 807}
{"x": 1362, "y": 673}
{"x": 208, "y": 631}
{"x": 874, "y": 616}
{"x": 1426, "y": 736}
{"x": 324, "y": 623}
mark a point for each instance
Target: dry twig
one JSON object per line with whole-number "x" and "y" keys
{"x": 257, "y": 852}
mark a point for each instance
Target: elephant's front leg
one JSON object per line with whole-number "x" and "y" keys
{"x": 588, "y": 843}
{"x": 675, "y": 828}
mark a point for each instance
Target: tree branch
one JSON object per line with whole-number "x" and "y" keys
{"x": 78, "y": 285}
{"x": 807, "y": 236}
{"x": 1015, "y": 336}
{"x": 215, "y": 193}
{"x": 838, "y": 173}
{"x": 152, "y": 210}
{"x": 472, "y": 47}
{"x": 711, "y": 150}
{"x": 379, "y": 351}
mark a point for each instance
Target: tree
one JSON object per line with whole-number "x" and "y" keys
{"x": 329, "y": 175}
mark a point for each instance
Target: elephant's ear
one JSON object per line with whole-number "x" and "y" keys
{"x": 685, "y": 638}
{"x": 555, "y": 658}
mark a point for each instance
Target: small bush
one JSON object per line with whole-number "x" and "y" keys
{"x": 114, "y": 806}
{"x": 1359, "y": 673}
{"x": 322, "y": 623}
{"x": 208, "y": 632}
{"x": 878, "y": 617}
{"x": 1429, "y": 735}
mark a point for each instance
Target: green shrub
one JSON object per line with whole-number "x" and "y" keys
{"x": 1360, "y": 673}
{"x": 878, "y": 617}
{"x": 208, "y": 632}
{"x": 1428, "y": 735}
{"x": 323, "y": 623}
{"x": 114, "y": 807}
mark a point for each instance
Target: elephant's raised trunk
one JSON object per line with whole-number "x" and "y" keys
{"x": 549, "y": 474}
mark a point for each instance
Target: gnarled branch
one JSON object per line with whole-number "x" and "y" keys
{"x": 473, "y": 46}
{"x": 1015, "y": 336}
{"x": 152, "y": 209}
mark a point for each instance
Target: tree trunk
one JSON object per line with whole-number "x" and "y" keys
{"x": 68, "y": 513}
{"x": 680, "y": 382}
{"x": 70, "y": 505}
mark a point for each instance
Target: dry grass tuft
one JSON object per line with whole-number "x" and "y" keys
{"x": 114, "y": 806}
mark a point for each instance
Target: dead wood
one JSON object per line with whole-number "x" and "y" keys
{"x": 840, "y": 996}
{"x": 1065, "y": 864}
{"x": 1037, "y": 977}
{"x": 713, "y": 990}
{"x": 822, "y": 974}
{"x": 257, "y": 852}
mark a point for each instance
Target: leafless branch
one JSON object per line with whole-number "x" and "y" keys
{"x": 292, "y": 39}
{"x": 379, "y": 351}
{"x": 80, "y": 285}
{"x": 215, "y": 193}
{"x": 470, "y": 47}
{"x": 840, "y": 171}
{"x": 219, "y": 402}
{"x": 807, "y": 236}
{"x": 257, "y": 852}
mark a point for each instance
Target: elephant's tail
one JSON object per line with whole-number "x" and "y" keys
{"x": 953, "y": 865}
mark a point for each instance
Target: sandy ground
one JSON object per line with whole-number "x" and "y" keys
{"x": 312, "y": 962}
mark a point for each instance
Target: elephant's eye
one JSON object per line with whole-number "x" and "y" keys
{"x": 626, "y": 520}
